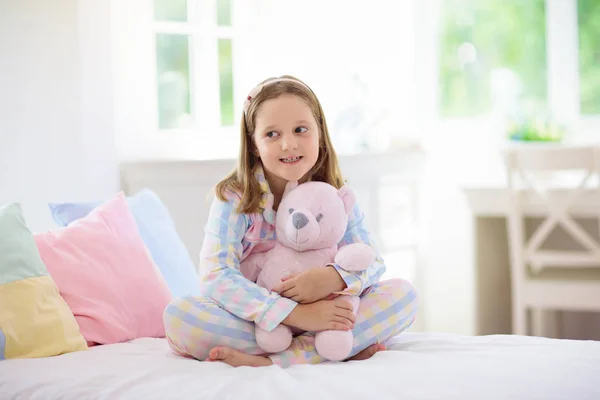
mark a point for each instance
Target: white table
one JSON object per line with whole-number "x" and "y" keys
{"x": 489, "y": 207}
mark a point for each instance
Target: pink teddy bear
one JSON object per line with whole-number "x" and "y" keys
{"x": 311, "y": 221}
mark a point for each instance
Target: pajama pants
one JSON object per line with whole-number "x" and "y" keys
{"x": 194, "y": 325}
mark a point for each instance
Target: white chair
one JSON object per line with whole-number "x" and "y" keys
{"x": 552, "y": 280}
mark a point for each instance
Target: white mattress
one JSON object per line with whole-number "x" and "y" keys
{"x": 419, "y": 366}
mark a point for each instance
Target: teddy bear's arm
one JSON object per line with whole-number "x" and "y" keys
{"x": 252, "y": 265}
{"x": 355, "y": 257}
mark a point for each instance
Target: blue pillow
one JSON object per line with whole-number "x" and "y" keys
{"x": 157, "y": 230}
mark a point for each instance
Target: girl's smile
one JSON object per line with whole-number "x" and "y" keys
{"x": 291, "y": 160}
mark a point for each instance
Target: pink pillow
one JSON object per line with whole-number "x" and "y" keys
{"x": 106, "y": 276}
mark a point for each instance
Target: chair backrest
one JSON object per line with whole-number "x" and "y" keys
{"x": 527, "y": 167}
{"x": 551, "y": 158}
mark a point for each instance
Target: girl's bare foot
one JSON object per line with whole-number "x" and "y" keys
{"x": 236, "y": 358}
{"x": 368, "y": 352}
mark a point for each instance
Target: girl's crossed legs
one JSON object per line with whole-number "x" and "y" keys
{"x": 195, "y": 325}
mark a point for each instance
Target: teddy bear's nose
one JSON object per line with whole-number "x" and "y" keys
{"x": 300, "y": 220}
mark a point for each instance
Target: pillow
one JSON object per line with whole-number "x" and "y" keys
{"x": 158, "y": 233}
{"x": 35, "y": 321}
{"x": 106, "y": 275}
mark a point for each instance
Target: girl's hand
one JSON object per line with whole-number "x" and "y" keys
{"x": 322, "y": 315}
{"x": 310, "y": 286}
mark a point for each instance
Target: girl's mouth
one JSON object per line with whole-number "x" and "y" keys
{"x": 290, "y": 160}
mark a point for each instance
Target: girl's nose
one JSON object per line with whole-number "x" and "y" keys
{"x": 288, "y": 142}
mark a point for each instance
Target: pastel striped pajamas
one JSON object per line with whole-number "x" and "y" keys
{"x": 232, "y": 303}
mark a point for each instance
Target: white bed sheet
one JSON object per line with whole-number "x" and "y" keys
{"x": 419, "y": 366}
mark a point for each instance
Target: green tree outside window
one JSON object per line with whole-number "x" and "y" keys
{"x": 489, "y": 48}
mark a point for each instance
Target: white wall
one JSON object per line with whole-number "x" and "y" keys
{"x": 56, "y": 134}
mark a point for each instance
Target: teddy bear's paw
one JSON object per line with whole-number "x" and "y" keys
{"x": 275, "y": 341}
{"x": 334, "y": 345}
{"x": 355, "y": 257}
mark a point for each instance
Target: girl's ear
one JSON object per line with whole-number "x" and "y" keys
{"x": 289, "y": 187}
{"x": 348, "y": 198}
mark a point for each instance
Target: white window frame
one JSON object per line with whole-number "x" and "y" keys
{"x": 204, "y": 34}
{"x": 136, "y": 92}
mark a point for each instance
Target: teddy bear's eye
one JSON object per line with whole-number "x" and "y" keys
{"x": 319, "y": 217}
{"x": 291, "y": 210}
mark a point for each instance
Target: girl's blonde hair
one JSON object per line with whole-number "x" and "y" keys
{"x": 242, "y": 179}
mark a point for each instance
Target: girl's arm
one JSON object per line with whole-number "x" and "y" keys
{"x": 224, "y": 283}
{"x": 358, "y": 282}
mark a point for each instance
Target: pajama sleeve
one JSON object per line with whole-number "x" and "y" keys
{"x": 223, "y": 282}
{"x": 357, "y": 282}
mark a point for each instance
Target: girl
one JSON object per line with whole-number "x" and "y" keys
{"x": 284, "y": 137}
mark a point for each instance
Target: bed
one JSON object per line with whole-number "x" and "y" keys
{"x": 417, "y": 366}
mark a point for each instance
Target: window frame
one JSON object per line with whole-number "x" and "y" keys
{"x": 135, "y": 90}
{"x": 204, "y": 33}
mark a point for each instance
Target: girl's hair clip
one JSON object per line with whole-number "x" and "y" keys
{"x": 253, "y": 95}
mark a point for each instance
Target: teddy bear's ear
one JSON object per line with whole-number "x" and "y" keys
{"x": 348, "y": 198}
{"x": 289, "y": 187}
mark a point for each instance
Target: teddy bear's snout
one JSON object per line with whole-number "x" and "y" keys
{"x": 300, "y": 220}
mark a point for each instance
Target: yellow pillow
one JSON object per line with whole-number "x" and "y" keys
{"x": 35, "y": 321}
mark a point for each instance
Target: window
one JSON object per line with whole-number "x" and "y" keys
{"x": 528, "y": 69}
{"x": 492, "y": 57}
{"x": 588, "y": 12}
{"x": 225, "y": 51}
{"x": 194, "y": 42}
{"x": 173, "y": 81}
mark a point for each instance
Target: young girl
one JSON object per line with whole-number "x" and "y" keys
{"x": 284, "y": 137}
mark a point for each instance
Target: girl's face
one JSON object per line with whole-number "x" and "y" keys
{"x": 287, "y": 139}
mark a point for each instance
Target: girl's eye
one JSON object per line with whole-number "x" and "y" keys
{"x": 271, "y": 134}
{"x": 301, "y": 129}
